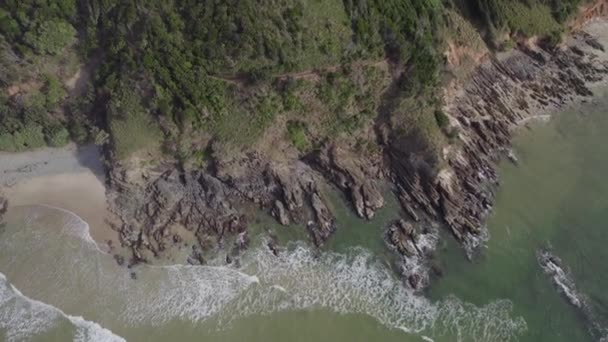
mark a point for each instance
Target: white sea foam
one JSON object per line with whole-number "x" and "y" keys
{"x": 76, "y": 226}
{"x": 22, "y": 317}
{"x": 298, "y": 279}
{"x": 551, "y": 266}
{"x": 358, "y": 283}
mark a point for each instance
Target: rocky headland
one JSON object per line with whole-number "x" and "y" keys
{"x": 159, "y": 205}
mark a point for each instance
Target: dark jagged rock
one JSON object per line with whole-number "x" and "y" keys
{"x": 196, "y": 257}
{"x": 273, "y": 245}
{"x": 592, "y": 41}
{"x": 324, "y": 225}
{"x": 501, "y": 94}
{"x": 355, "y": 176}
{"x": 416, "y": 245}
{"x": 403, "y": 236}
{"x": 211, "y": 205}
{"x": 197, "y": 201}
{"x": 280, "y": 213}
{"x": 290, "y": 191}
{"x": 120, "y": 260}
{"x": 453, "y": 187}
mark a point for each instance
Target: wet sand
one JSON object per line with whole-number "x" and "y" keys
{"x": 71, "y": 178}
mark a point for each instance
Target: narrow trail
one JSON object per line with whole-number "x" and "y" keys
{"x": 313, "y": 74}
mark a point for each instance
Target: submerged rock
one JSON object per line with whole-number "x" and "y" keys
{"x": 196, "y": 257}
{"x": 120, "y": 260}
{"x": 416, "y": 247}
{"x": 552, "y": 266}
{"x": 512, "y": 157}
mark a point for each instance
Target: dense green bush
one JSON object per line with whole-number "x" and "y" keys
{"x": 296, "y": 131}
{"x": 442, "y": 120}
{"x": 54, "y": 92}
{"x": 200, "y": 70}
{"x": 29, "y": 137}
{"x": 50, "y": 37}
{"x": 57, "y": 135}
{"x": 527, "y": 16}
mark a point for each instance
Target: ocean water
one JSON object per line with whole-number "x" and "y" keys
{"x": 57, "y": 285}
{"x": 556, "y": 199}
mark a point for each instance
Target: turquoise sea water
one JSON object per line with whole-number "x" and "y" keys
{"x": 58, "y": 286}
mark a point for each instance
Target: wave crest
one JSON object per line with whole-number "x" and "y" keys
{"x": 300, "y": 278}
{"x": 22, "y": 317}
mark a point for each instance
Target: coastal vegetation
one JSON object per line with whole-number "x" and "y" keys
{"x": 176, "y": 77}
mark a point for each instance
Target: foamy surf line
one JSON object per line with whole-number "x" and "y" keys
{"x": 79, "y": 227}
{"x": 357, "y": 282}
{"x": 22, "y": 317}
{"x": 298, "y": 279}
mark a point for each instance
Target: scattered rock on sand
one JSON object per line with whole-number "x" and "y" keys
{"x": 120, "y": 260}
{"x": 3, "y": 206}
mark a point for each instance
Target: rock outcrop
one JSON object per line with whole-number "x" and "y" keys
{"x": 552, "y": 266}
{"x": 416, "y": 244}
{"x": 501, "y": 94}
{"x": 212, "y": 205}
{"x": 557, "y": 273}
{"x": 196, "y": 201}
{"x": 454, "y": 189}
{"x": 355, "y": 176}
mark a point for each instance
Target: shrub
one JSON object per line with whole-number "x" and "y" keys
{"x": 57, "y": 135}
{"x": 29, "y": 137}
{"x": 297, "y": 135}
{"x": 79, "y": 132}
{"x": 442, "y": 120}
{"x": 51, "y": 37}
{"x": 552, "y": 39}
{"x": 7, "y": 143}
{"x": 53, "y": 89}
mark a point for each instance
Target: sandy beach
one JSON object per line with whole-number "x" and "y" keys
{"x": 70, "y": 178}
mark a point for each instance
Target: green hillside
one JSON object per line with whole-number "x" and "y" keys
{"x": 184, "y": 78}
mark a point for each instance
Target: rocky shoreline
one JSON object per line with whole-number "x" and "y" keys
{"x": 157, "y": 205}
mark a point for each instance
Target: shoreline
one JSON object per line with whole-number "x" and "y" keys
{"x": 483, "y": 109}
{"x": 501, "y": 93}
{"x": 70, "y": 178}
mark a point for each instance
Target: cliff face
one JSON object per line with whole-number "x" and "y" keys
{"x": 483, "y": 108}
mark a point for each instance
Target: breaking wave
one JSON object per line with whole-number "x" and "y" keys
{"x": 300, "y": 278}
{"x": 22, "y": 317}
